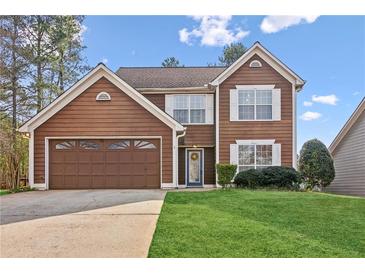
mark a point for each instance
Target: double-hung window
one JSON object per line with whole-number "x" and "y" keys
{"x": 189, "y": 109}
{"x": 254, "y": 156}
{"x": 255, "y": 104}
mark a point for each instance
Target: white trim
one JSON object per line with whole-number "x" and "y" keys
{"x": 275, "y": 63}
{"x": 31, "y": 160}
{"x": 172, "y": 96}
{"x": 349, "y": 123}
{"x": 255, "y": 61}
{"x": 186, "y": 165}
{"x": 175, "y": 152}
{"x": 93, "y": 76}
{"x": 294, "y": 110}
{"x": 216, "y": 133}
{"x": 103, "y": 93}
{"x": 46, "y": 152}
{"x": 254, "y": 88}
{"x": 256, "y": 142}
{"x": 167, "y": 185}
{"x": 251, "y": 87}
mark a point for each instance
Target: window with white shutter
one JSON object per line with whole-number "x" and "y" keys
{"x": 255, "y": 154}
{"x": 255, "y": 103}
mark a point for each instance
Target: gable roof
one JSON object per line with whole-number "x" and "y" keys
{"x": 258, "y": 49}
{"x": 160, "y": 77}
{"x": 350, "y": 122}
{"x": 90, "y": 78}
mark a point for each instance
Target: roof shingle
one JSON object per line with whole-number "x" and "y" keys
{"x": 178, "y": 77}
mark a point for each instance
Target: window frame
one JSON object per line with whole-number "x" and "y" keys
{"x": 256, "y": 89}
{"x": 255, "y": 165}
{"x": 190, "y": 108}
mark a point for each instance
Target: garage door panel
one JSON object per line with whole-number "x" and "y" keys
{"x": 112, "y": 168}
{"x": 119, "y": 163}
{"x": 58, "y": 157}
{"x": 112, "y": 156}
{"x": 84, "y": 169}
{"x": 113, "y": 181}
{"x": 84, "y": 181}
{"x": 125, "y": 157}
{"x": 98, "y": 181}
{"x": 98, "y": 156}
{"x": 70, "y": 169}
{"x": 56, "y": 169}
{"x": 70, "y": 181}
{"x": 84, "y": 157}
{"x": 70, "y": 156}
{"x": 98, "y": 168}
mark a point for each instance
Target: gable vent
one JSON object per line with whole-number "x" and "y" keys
{"x": 255, "y": 64}
{"x": 103, "y": 96}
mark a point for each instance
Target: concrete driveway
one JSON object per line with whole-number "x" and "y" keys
{"x": 79, "y": 223}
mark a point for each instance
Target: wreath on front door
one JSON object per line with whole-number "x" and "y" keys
{"x": 194, "y": 156}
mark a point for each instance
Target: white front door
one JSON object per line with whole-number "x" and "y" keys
{"x": 194, "y": 168}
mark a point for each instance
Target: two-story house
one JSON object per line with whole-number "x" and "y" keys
{"x": 165, "y": 127}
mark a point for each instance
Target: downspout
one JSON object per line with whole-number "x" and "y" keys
{"x": 177, "y": 156}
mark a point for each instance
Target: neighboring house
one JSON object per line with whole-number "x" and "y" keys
{"x": 166, "y": 127}
{"x": 348, "y": 152}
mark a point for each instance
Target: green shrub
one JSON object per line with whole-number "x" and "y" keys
{"x": 251, "y": 178}
{"x": 316, "y": 164}
{"x": 225, "y": 173}
{"x": 281, "y": 177}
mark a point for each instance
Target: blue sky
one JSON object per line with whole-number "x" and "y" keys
{"x": 327, "y": 51}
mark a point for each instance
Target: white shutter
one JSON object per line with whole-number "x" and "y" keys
{"x": 169, "y": 105}
{"x": 276, "y": 104}
{"x": 233, "y": 98}
{"x": 276, "y": 154}
{"x": 233, "y": 154}
{"x": 209, "y": 113}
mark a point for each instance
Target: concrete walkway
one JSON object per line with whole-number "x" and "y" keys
{"x": 79, "y": 223}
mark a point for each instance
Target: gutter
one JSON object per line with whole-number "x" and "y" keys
{"x": 177, "y": 155}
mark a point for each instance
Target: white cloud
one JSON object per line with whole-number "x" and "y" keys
{"x": 212, "y": 31}
{"x": 309, "y": 116}
{"x": 328, "y": 99}
{"x": 307, "y": 103}
{"x": 273, "y": 23}
{"x": 355, "y": 93}
{"x": 104, "y": 60}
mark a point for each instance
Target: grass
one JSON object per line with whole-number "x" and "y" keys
{"x": 10, "y": 191}
{"x": 243, "y": 223}
{"x": 4, "y": 192}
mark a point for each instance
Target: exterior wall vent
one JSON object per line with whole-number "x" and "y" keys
{"x": 255, "y": 64}
{"x": 103, "y": 96}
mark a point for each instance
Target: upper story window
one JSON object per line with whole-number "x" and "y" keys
{"x": 190, "y": 109}
{"x": 255, "y": 103}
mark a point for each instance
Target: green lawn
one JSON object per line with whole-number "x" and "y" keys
{"x": 4, "y": 192}
{"x": 242, "y": 223}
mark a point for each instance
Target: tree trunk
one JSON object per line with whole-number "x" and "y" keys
{"x": 39, "y": 90}
{"x": 14, "y": 89}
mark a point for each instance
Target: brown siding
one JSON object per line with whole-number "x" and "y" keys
{"x": 200, "y": 135}
{"x": 349, "y": 160}
{"x": 209, "y": 162}
{"x": 157, "y": 99}
{"x": 281, "y": 131}
{"x": 122, "y": 116}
